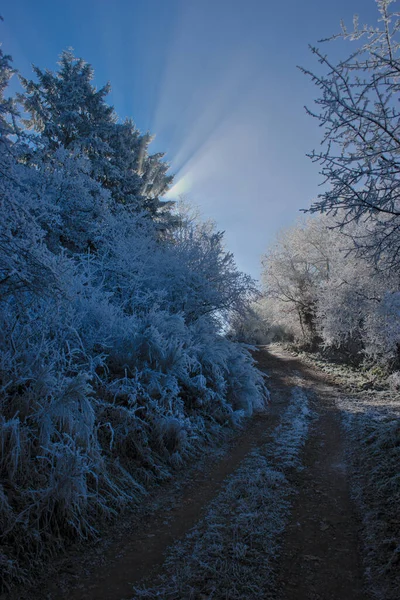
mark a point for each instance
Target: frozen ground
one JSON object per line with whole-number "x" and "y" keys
{"x": 296, "y": 507}
{"x": 232, "y": 552}
{"x": 370, "y": 408}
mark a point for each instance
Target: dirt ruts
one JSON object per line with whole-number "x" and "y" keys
{"x": 319, "y": 557}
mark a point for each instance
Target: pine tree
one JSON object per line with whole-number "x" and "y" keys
{"x": 7, "y": 108}
{"x": 137, "y": 179}
{"x": 67, "y": 111}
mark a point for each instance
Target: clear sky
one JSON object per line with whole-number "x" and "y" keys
{"x": 216, "y": 81}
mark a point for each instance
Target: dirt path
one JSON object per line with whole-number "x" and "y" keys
{"x": 143, "y": 548}
{"x": 320, "y": 553}
{"x": 320, "y": 558}
{"x": 135, "y": 550}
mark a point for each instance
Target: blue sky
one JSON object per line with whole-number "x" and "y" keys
{"x": 216, "y": 81}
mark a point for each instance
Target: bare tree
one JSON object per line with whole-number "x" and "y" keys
{"x": 359, "y": 113}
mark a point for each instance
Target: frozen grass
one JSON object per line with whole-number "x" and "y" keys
{"x": 232, "y": 552}
{"x": 373, "y": 422}
{"x": 79, "y": 442}
{"x": 350, "y": 377}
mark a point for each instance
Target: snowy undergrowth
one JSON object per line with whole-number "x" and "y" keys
{"x": 79, "y": 442}
{"x": 346, "y": 375}
{"x": 349, "y": 377}
{"x": 373, "y": 423}
{"x": 114, "y": 370}
{"x": 231, "y": 553}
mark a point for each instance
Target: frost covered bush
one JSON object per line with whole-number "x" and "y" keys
{"x": 113, "y": 367}
{"x": 394, "y": 380}
{"x": 323, "y": 293}
{"x": 374, "y": 428}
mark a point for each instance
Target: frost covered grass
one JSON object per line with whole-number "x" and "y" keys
{"x": 348, "y": 376}
{"x": 78, "y": 445}
{"x": 232, "y": 552}
{"x": 373, "y": 423}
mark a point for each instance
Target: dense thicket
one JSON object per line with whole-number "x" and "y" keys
{"x": 113, "y": 368}
{"x": 322, "y": 293}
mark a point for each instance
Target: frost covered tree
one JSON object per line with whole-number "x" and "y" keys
{"x": 7, "y": 109}
{"x": 214, "y": 284}
{"x": 322, "y": 293}
{"x": 25, "y": 263}
{"x": 359, "y": 113}
{"x": 293, "y": 270}
{"x": 66, "y": 109}
{"x": 68, "y": 112}
{"x": 137, "y": 179}
{"x": 356, "y": 305}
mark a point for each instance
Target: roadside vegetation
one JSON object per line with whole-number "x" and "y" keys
{"x": 114, "y": 370}
{"x": 373, "y": 425}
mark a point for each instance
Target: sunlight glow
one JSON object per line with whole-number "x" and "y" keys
{"x": 180, "y": 188}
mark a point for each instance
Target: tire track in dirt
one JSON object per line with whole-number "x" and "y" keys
{"x": 111, "y": 569}
{"x": 320, "y": 556}
{"x": 231, "y": 553}
{"x": 144, "y": 550}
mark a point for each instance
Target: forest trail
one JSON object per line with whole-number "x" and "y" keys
{"x": 320, "y": 555}
{"x": 141, "y": 552}
{"x": 320, "y": 558}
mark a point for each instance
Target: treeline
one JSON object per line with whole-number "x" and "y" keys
{"x": 334, "y": 281}
{"x": 113, "y": 367}
{"x": 321, "y": 294}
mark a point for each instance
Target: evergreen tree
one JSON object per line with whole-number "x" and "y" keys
{"x": 136, "y": 178}
{"x": 7, "y": 108}
{"x": 67, "y": 111}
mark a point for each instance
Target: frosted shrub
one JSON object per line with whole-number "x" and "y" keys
{"x": 321, "y": 289}
{"x": 113, "y": 368}
{"x": 394, "y": 380}
{"x": 244, "y": 385}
